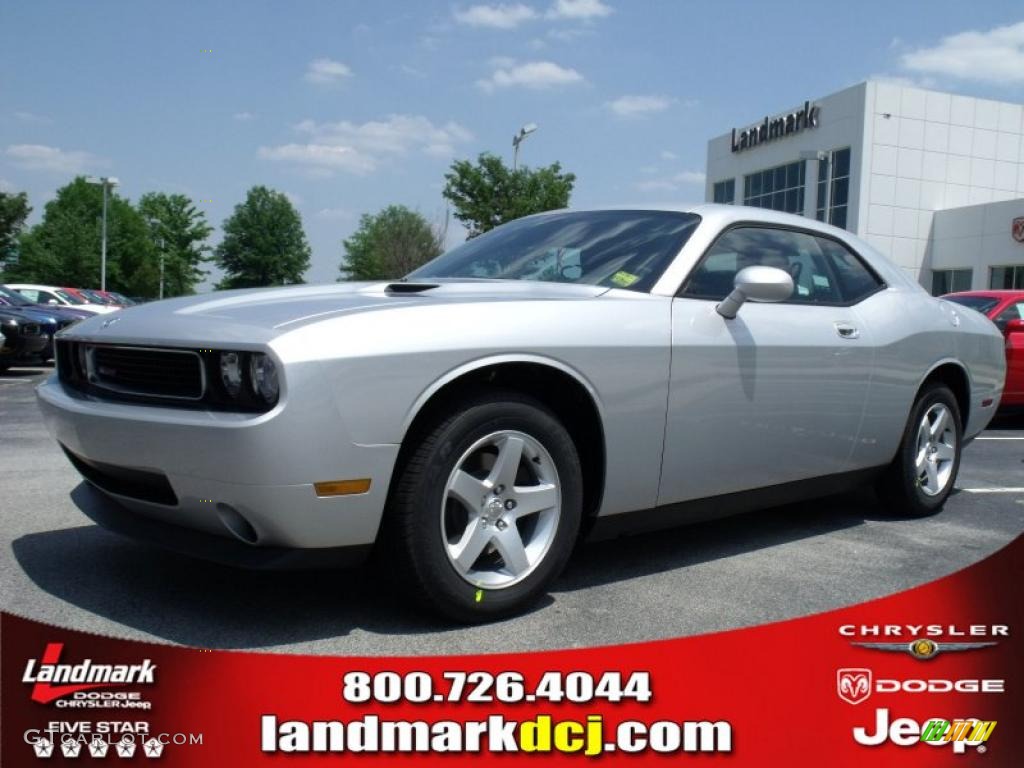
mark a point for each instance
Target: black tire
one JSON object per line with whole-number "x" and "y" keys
{"x": 414, "y": 548}
{"x": 900, "y": 489}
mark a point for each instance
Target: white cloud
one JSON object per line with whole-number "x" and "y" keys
{"x": 326, "y": 71}
{"x": 359, "y": 148}
{"x": 38, "y": 157}
{"x": 6, "y": 186}
{"x": 321, "y": 159}
{"x": 578, "y": 9}
{"x": 902, "y": 80}
{"x": 335, "y": 214}
{"x": 536, "y": 75}
{"x": 411, "y": 71}
{"x": 639, "y": 106}
{"x": 30, "y": 117}
{"x": 673, "y": 182}
{"x": 243, "y": 116}
{"x": 495, "y": 16}
{"x": 691, "y": 177}
{"x": 995, "y": 56}
{"x": 667, "y": 154}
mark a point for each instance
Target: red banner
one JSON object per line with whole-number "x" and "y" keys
{"x": 930, "y": 676}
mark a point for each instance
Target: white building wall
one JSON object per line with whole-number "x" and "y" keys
{"x": 927, "y": 151}
{"x": 977, "y": 237}
{"x": 841, "y": 125}
{"x": 913, "y": 152}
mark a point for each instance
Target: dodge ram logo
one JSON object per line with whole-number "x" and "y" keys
{"x": 853, "y": 685}
{"x": 1018, "y": 229}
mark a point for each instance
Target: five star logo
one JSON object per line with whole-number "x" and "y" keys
{"x": 153, "y": 748}
{"x": 125, "y": 748}
{"x": 71, "y": 748}
{"x": 43, "y": 748}
{"x": 98, "y": 747}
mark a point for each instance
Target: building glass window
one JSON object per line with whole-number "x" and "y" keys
{"x": 781, "y": 188}
{"x": 834, "y": 187}
{"x": 725, "y": 191}
{"x": 1009, "y": 278}
{"x": 951, "y": 280}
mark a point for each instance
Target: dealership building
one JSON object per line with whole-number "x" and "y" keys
{"x": 934, "y": 180}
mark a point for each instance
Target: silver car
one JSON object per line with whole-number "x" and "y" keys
{"x": 567, "y": 374}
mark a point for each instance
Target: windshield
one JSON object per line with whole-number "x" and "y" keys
{"x": 983, "y": 304}
{"x": 70, "y": 298}
{"x": 13, "y": 297}
{"x": 617, "y": 249}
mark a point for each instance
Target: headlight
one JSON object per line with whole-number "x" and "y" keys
{"x": 263, "y": 374}
{"x": 231, "y": 372}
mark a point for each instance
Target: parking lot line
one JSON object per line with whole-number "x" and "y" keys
{"x": 999, "y": 438}
{"x": 992, "y": 490}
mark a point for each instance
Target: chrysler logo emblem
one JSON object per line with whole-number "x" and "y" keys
{"x": 1018, "y": 229}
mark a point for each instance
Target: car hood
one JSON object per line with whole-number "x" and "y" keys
{"x": 258, "y": 315}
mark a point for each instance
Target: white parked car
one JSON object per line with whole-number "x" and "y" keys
{"x": 50, "y": 294}
{"x": 570, "y": 372}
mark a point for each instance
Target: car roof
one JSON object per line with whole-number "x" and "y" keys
{"x": 993, "y": 293}
{"x": 720, "y": 215}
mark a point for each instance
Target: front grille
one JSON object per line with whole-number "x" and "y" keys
{"x": 167, "y": 376}
{"x": 141, "y": 371}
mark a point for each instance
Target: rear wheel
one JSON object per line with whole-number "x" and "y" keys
{"x": 485, "y": 511}
{"x": 921, "y": 477}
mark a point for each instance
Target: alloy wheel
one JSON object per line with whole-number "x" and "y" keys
{"x": 501, "y": 508}
{"x": 936, "y": 450}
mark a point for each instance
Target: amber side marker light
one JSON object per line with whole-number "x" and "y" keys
{"x": 342, "y": 487}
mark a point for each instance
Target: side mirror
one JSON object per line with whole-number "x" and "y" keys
{"x": 1013, "y": 326}
{"x": 758, "y": 283}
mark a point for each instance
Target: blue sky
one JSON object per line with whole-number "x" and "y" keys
{"x": 349, "y": 106}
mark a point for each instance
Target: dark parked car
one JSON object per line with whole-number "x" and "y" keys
{"x": 51, "y": 318}
{"x": 21, "y": 339}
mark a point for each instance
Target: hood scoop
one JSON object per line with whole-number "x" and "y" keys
{"x": 410, "y": 287}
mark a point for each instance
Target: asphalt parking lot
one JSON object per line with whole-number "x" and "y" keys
{"x": 56, "y": 566}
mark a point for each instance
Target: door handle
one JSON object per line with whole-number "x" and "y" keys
{"x": 847, "y": 331}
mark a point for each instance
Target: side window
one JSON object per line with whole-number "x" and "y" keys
{"x": 855, "y": 280}
{"x": 795, "y": 252}
{"x": 30, "y": 294}
{"x": 1012, "y": 312}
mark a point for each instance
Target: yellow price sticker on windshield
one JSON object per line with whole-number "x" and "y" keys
{"x": 624, "y": 279}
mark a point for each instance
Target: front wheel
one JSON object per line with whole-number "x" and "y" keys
{"x": 921, "y": 477}
{"x": 486, "y": 508}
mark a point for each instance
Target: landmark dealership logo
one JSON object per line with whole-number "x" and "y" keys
{"x": 772, "y": 128}
{"x": 1017, "y": 229}
{"x": 51, "y": 680}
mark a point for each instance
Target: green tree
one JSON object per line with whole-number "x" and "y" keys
{"x": 64, "y": 248}
{"x": 178, "y": 231}
{"x": 14, "y": 209}
{"x": 390, "y": 244}
{"x": 489, "y": 193}
{"x": 264, "y": 243}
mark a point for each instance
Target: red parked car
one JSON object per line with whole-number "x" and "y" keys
{"x": 1006, "y": 310}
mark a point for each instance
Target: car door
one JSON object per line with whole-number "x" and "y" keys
{"x": 774, "y": 395}
{"x": 1013, "y": 390}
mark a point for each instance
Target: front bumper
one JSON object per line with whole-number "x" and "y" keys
{"x": 224, "y": 466}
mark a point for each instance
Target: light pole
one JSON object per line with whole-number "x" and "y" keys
{"x": 525, "y": 131}
{"x": 107, "y": 182}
